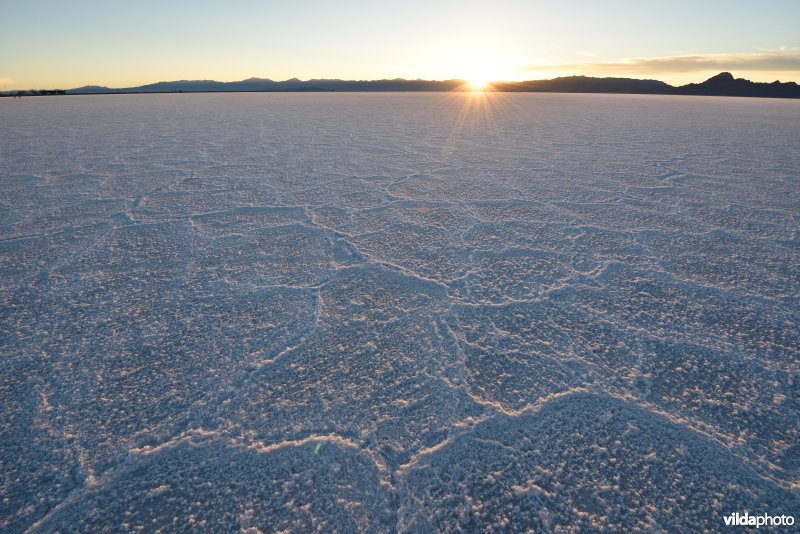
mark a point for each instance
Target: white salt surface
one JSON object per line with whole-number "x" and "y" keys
{"x": 398, "y": 312}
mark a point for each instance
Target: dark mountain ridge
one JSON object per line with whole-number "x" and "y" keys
{"x": 586, "y": 84}
{"x": 723, "y": 84}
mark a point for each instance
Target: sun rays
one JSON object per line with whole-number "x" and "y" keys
{"x": 476, "y": 110}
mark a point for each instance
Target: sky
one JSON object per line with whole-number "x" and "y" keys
{"x": 60, "y": 44}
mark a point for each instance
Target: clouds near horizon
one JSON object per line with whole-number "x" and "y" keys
{"x": 782, "y": 60}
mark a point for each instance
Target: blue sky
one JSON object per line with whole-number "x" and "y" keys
{"x": 51, "y": 43}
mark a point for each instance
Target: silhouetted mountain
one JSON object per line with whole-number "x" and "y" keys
{"x": 723, "y": 84}
{"x": 584, "y": 84}
{"x": 90, "y": 89}
{"x": 259, "y": 84}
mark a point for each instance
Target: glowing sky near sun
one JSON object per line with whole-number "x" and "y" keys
{"x": 49, "y": 43}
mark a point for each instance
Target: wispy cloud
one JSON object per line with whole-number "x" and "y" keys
{"x": 6, "y": 81}
{"x": 783, "y": 60}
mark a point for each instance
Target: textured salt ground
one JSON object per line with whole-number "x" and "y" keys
{"x": 398, "y": 312}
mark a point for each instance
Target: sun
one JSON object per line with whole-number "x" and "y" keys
{"x": 478, "y": 84}
{"x": 478, "y": 70}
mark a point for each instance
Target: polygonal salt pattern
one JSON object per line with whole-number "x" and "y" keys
{"x": 397, "y": 312}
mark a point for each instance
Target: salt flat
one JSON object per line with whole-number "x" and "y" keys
{"x": 398, "y": 312}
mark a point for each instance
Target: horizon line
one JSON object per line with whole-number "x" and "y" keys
{"x": 488, "y": 83}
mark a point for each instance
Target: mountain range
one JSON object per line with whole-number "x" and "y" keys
{"x": 723, "y": 84}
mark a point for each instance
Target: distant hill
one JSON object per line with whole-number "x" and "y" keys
{"x": 262, "y": 84}
{"x": 585, "y": 84}
{"x": 723, "y": 84}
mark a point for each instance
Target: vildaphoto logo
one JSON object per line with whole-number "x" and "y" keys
{"x": 763, "y": 520}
